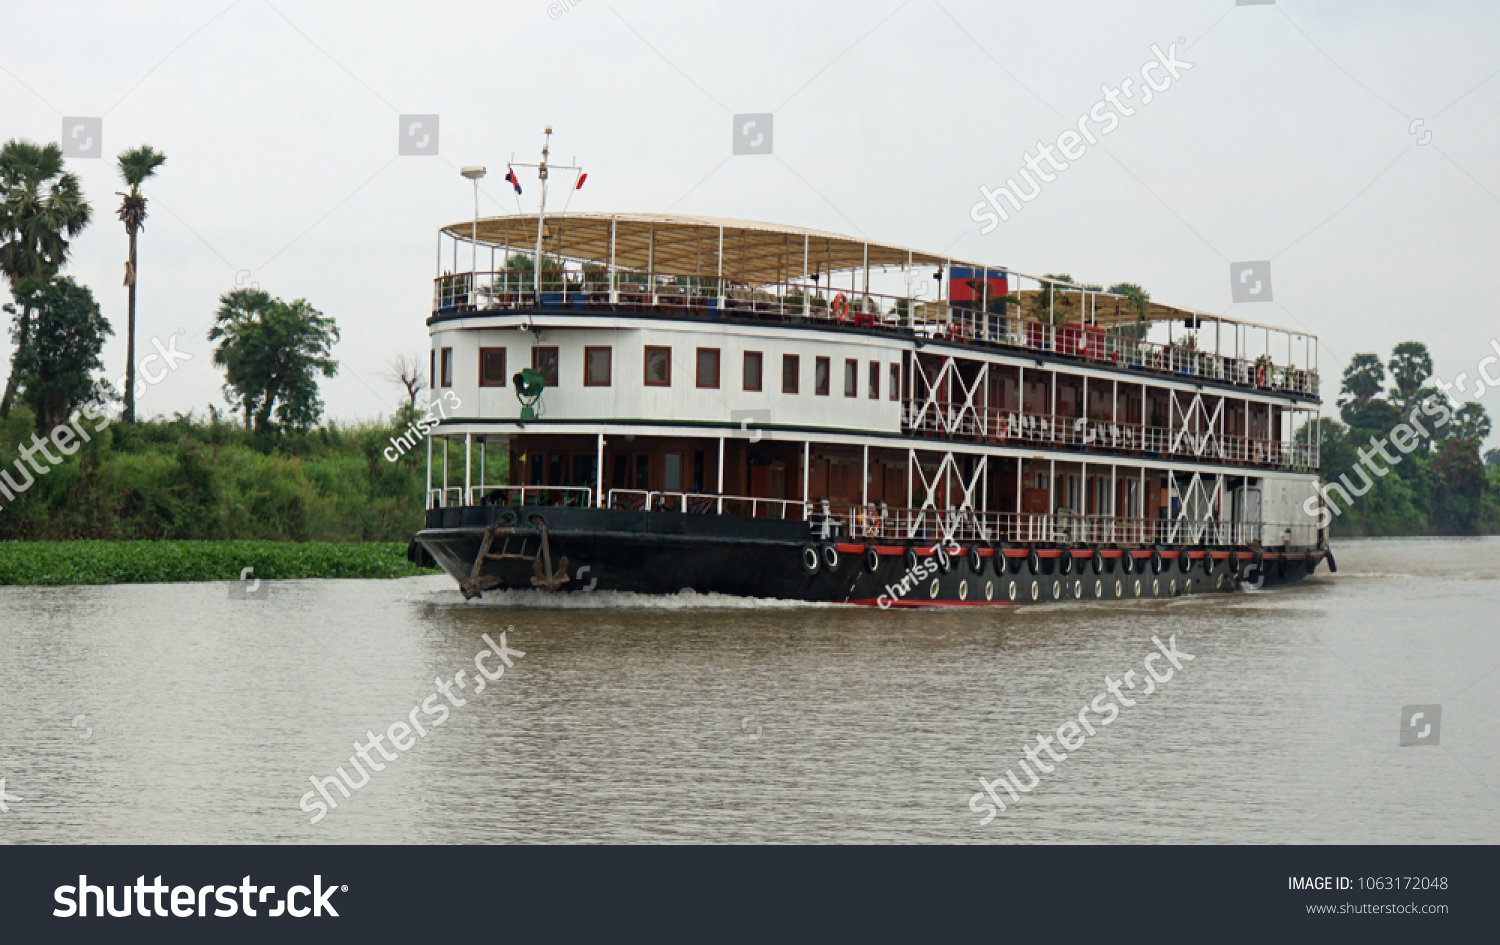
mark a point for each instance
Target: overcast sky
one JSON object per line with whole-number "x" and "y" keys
{"x": 1290, "y": 139}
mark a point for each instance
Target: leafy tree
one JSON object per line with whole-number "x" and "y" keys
{"x": 1492, "y": 457}
{"x": 272, "y": 352}
{"x": 41, "y": 210}
{"x": 1377, "y": 416}
{"x": 1460, "y": 481}
{"x": 136, "y": 166}
{"x": 1410, "y": 365}
{"x": 1363, "y": 379}
{"x": 55, "y": 370}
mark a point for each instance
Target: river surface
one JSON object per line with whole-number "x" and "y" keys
{"x": 174, "y": 714}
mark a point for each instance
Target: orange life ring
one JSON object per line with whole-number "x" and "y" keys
{"x": 841, "y": 307}
{"x": 1260, "y": 374}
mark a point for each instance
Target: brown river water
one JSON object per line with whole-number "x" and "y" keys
{"x": 174, "y": 713}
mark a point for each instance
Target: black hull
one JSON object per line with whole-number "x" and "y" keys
{"x": 667, "y": 553}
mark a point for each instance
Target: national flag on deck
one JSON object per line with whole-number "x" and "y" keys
{"x": 581, "y": 178}
{"x": 510, "y": 175}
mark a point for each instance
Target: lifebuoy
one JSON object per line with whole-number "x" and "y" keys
{"x": 1257, "y": 454}
{"x": 1260, "y": 375}
{"x": 840, "y": 307}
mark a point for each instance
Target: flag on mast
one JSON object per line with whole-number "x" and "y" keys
{"x": 510, "y": 175}
{"x": 581, "y": 178}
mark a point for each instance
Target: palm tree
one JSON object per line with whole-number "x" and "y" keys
{"x": 1410, "y": 365}
{"x": 1140, "y": 300}
{"x": 1362, "y": 380}
{"x": 136, "y": 166}
{"x": 41, "y": 209}
{"x": 1471, "y": 422}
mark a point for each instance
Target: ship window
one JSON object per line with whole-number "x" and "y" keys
{"x": 445, "y": 359}
{"x": 752, "y": 370}
{"x": 708, "y": 367}
{"x": 672, "y": 472}
{"x": 789, "y": 373}
{"x": 820, "y": 376}
{"x": 544, "y": 362}
{"x": 619, "y": 478}
{"x": 851, "y": 377}
{"x": 554, "y": 470}
{"x": 432, "y": 368}
{"x": 596, "y": 367}
{"x": 874, "y": 380}
{"x": 492, "y": 367}
{"x": 895, "y": 382}
{"x": 643, "y": 471}
{"x": 658, "y": 366}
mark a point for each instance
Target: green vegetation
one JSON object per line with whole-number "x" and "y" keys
{"x": 1441, "y": 487}
{"x": 213, "y": 480}
{"x": 166, "y": 562}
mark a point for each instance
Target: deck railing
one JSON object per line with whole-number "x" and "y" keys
{"x": 880, "y": 523}
{"x": 954, "y": 419}
{"x": 671, "y": 294}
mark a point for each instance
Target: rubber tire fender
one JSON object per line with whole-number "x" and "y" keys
{"x": 810, "y": 559}
{"x": 872, "y": 559}
{"x": 1184, "y": 563}
{"x": 1098, "y": 561}
{"x": 1066, "y": 561}
{"x": 1156, "y": 562}
{"x": 1034, "y": 561}
{"x": 976, "y": 560}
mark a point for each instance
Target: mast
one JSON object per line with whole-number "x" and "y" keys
{"x": 541, "y": 213}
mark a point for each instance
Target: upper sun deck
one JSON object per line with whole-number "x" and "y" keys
{"x": 677, "y": 265}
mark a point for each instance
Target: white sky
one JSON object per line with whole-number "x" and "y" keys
{"x": 1288, "y": 140}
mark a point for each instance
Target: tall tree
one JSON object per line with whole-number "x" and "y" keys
{"x": 56, "y": 369}
{"x": 1363, "y": 379}
{"x": 273, "y": 352}
{"x": 41, "y": 210}
{"x": 1410, "y": 365}
{"x": 136, "y": 166}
